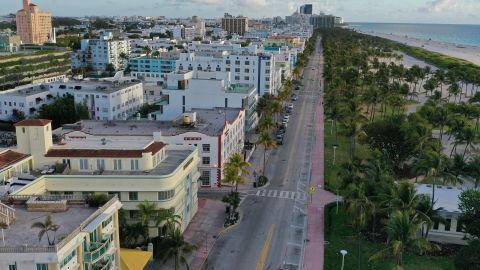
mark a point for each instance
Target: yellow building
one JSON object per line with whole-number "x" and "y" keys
{"x": 33, "y": 26}
{"x": 135, "y": 170}
{"x": 84, "y": 238}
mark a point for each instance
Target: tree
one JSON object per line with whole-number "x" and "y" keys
{"x": 169, "y": 218}
{"x": 470, "y": 212}
{"x": 402, "y": 228}
{"x": 147, "y": 212}
{"x": 177, "y": 248}
{"x": 473, "y": 170}
{"x": 268, "y": 143}
{"x": 236, "y": 167}
{"x": 63, "y": 110}
{"x": 469, "y": 258}
{"x": 45, "y": 227}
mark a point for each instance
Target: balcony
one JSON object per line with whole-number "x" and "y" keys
{"x": 106, "y": 264}
{"x": 97, "y": 251}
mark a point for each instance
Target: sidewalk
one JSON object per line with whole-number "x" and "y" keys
{"x": 314, "y": 248}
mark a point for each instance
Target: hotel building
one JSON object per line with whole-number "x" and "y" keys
{"x": 235, "y": 25}
{"x": 33, "y": 26}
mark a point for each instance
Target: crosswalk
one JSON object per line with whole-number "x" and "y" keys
{"x": 282, "y": 194}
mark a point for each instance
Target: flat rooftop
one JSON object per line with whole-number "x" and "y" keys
{"x": 26, "y": 90}
{"x": 209, "y": 121}
{"x": 242, "y": 88}
{"x": 445, "y": 196}
{"x": 96, "y": 85}
{"x": 21, "y": 232}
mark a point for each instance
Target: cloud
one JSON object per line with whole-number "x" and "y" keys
{"x": 439, "y": 6}
{"x": 208, "y": 2}
{"x": 252, "y": 4}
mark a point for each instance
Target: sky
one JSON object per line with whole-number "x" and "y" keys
{"x": 411, "y": 11}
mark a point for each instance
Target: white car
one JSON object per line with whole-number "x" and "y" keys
{"x": 286, "y": 118}
{"x": 290, "y": 106}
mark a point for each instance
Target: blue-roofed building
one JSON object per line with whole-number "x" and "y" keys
{"x": 151, "y": 67}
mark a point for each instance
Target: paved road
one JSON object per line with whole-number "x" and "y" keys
{"x": 272, "y": 232}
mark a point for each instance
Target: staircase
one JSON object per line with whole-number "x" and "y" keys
{"x": 7, "y": 215}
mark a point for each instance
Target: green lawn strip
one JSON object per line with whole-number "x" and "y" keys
{"x": 339, "y": 235}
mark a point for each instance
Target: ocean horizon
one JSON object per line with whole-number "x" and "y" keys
{"x": 465, "y": 34}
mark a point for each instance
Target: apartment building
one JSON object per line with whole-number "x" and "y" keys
{"x": 33, "y": 25}
{"x": 98, "y": 54}
{"x": 207, "y": 90}
{"x": 118, "y": 98}
{"x": 215, "y": 133}
{"x": 152, "y": 68}
{"x": 135, "y": 168}
{"x": 86, "y": 238}
{"x": 9, "y": 43}
{"x": 245, "y": 68}
{"x": 235, "y": 25}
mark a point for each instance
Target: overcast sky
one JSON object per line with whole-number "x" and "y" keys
{"x": 423, "y": 11}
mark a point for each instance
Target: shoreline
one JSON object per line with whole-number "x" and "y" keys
{"x": 469, "y": 53}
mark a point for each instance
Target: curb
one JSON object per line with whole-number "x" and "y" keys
{"x": 222, "y": 232}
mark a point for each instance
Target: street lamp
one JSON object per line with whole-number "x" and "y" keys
{"x": 334, "y": 150}
{"x": 344, "y": 252}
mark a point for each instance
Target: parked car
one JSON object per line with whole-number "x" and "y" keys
{"x": 294, "y": 97}
{"x": 297, "y": 87}
{"x": 285, "y": 123}
{"x": 290, "y": 106}
{"x": 280, "y": 139}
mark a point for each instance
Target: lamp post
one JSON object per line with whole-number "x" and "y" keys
{"x": 344, "y": 252}
{"x": 334, "y": 152}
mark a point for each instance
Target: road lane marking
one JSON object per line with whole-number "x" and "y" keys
{"x": 266, "y": 247}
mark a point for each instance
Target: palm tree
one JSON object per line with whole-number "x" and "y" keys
{"x": 268, "y": 143}
{"x": 473, "y": 170}
{"x": 431, "y": 214}
{"x": 171, "y": 220}
{"x": 45, "y": 227}
{"x": 148, "y": 50}
{"x": 147, "y": 212}
{"x": 437, "y": 165}
{"x": 402, "y": 228}
{"x": 239, "y": 165}
{"x": 177, "y": 248}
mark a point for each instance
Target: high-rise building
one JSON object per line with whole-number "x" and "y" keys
{"x": 33, "y": 25}
{"x": 306, "y": 9}
{"x": 323, "y": 21}
{"x": 235, "y": 25}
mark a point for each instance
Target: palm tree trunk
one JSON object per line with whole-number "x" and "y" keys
{"x": 264, "y": 159}
{"x": 465, "y": 151}
{"x": 359, "y": 239}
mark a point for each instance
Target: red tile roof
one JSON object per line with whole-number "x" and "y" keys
{"x": 33, "y": 123}
{"x": 10, "y": 157}
{"x": 152, "y": 148}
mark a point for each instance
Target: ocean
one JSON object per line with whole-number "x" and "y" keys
{"x": 451, "y": 33}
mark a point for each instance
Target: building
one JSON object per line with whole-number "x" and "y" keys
{"x": 134, "y": 167}
{"x": 101, "y": 54}
{"x": 86, "y": 237}
{"x": 33, "y": 26}
{"x": 216, "y": 134}
{"x": 9, "y": 43}
{"x": 33, "y": 66}
{"x": 105, "y": 99}
{"x": 446, "y": 198}
{"x": 152, "y": 68}
{"x": 235, "y": 25}
{"x": 323, "y": 21}
{"x": 245, "y": 68}
{"x": 207, "y": 90}
{"x": 306, "y": 9}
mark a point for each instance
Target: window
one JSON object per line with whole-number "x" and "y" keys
{"x": 12, "y": 266}
{"x": 133, "y": 196}
{"x": 83, "y": 164}
{"x": 206, "y": 160}
{"x": 459, "y": 226}
{"x": 68, "y": 193}
{"x": 237, "y": 70}
{"x": 117, "y": 164}
{"x": 227, "y": 62}
{"x": 206, "y": 148}
{"x": 237, "y": 62}
{"x": 100, "y": 164}
{"x": 166, "y": 195}
{"x": 227, "y": 70}
{"x": 448, "y": 224}
{"x": 247, "y": 62}
{"x": 246, "y": 78}
{"x": 42, "y": 266}
{"x": 205, "y": 177}
{"x": 133, "y": 214}
{"x": 237, "y": 78}
{"x": 67, "y": 258}
{"x": 134, "y": 164}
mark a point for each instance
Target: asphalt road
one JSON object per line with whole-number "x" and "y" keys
{"x": 271, "y": 234}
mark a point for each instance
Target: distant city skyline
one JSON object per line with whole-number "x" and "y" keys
{"x": 411, "y": 11}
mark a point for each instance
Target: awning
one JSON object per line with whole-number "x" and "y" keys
{"x": 132, "y": 259}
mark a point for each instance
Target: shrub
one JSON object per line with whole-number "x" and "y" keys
{"x": 97, "y": 200}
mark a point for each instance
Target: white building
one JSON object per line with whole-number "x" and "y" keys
{"x": 99, "y": 53}
{"x": 108, "y": 99}
{"x": 207, "y": 90}
{"x": 216, "y": 133}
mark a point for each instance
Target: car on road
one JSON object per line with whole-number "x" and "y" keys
{"x": 290, "y": 106}
{"x": 284, "y": 124}
{"x": 280, "y": 139}
{"x": 286, "y": 118}
{"x": 297, "y": 87}
{"x": 294, "y": 98}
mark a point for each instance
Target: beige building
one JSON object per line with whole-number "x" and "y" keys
{"x": 33, "y": 25}
{"x": 235, "y": 25}
{"x": 136, "y": 169}
{"x": 86, "y": 237}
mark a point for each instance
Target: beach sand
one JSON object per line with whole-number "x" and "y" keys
{"x": 466, "y": 52}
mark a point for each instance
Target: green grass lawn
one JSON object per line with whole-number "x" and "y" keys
{"x": 341, "y": 236}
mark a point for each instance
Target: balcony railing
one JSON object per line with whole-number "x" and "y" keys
{"x": 105, "y": 265}
{"x": 98, "y": 251}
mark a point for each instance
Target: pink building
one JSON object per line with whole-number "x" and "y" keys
{"x": 33, "y": 25}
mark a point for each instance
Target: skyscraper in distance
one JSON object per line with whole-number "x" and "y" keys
{"x": 33, "y": 25}
{"x": 306, "y": 9}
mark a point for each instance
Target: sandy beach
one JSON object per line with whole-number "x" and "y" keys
{"x": 466, "y": 52}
